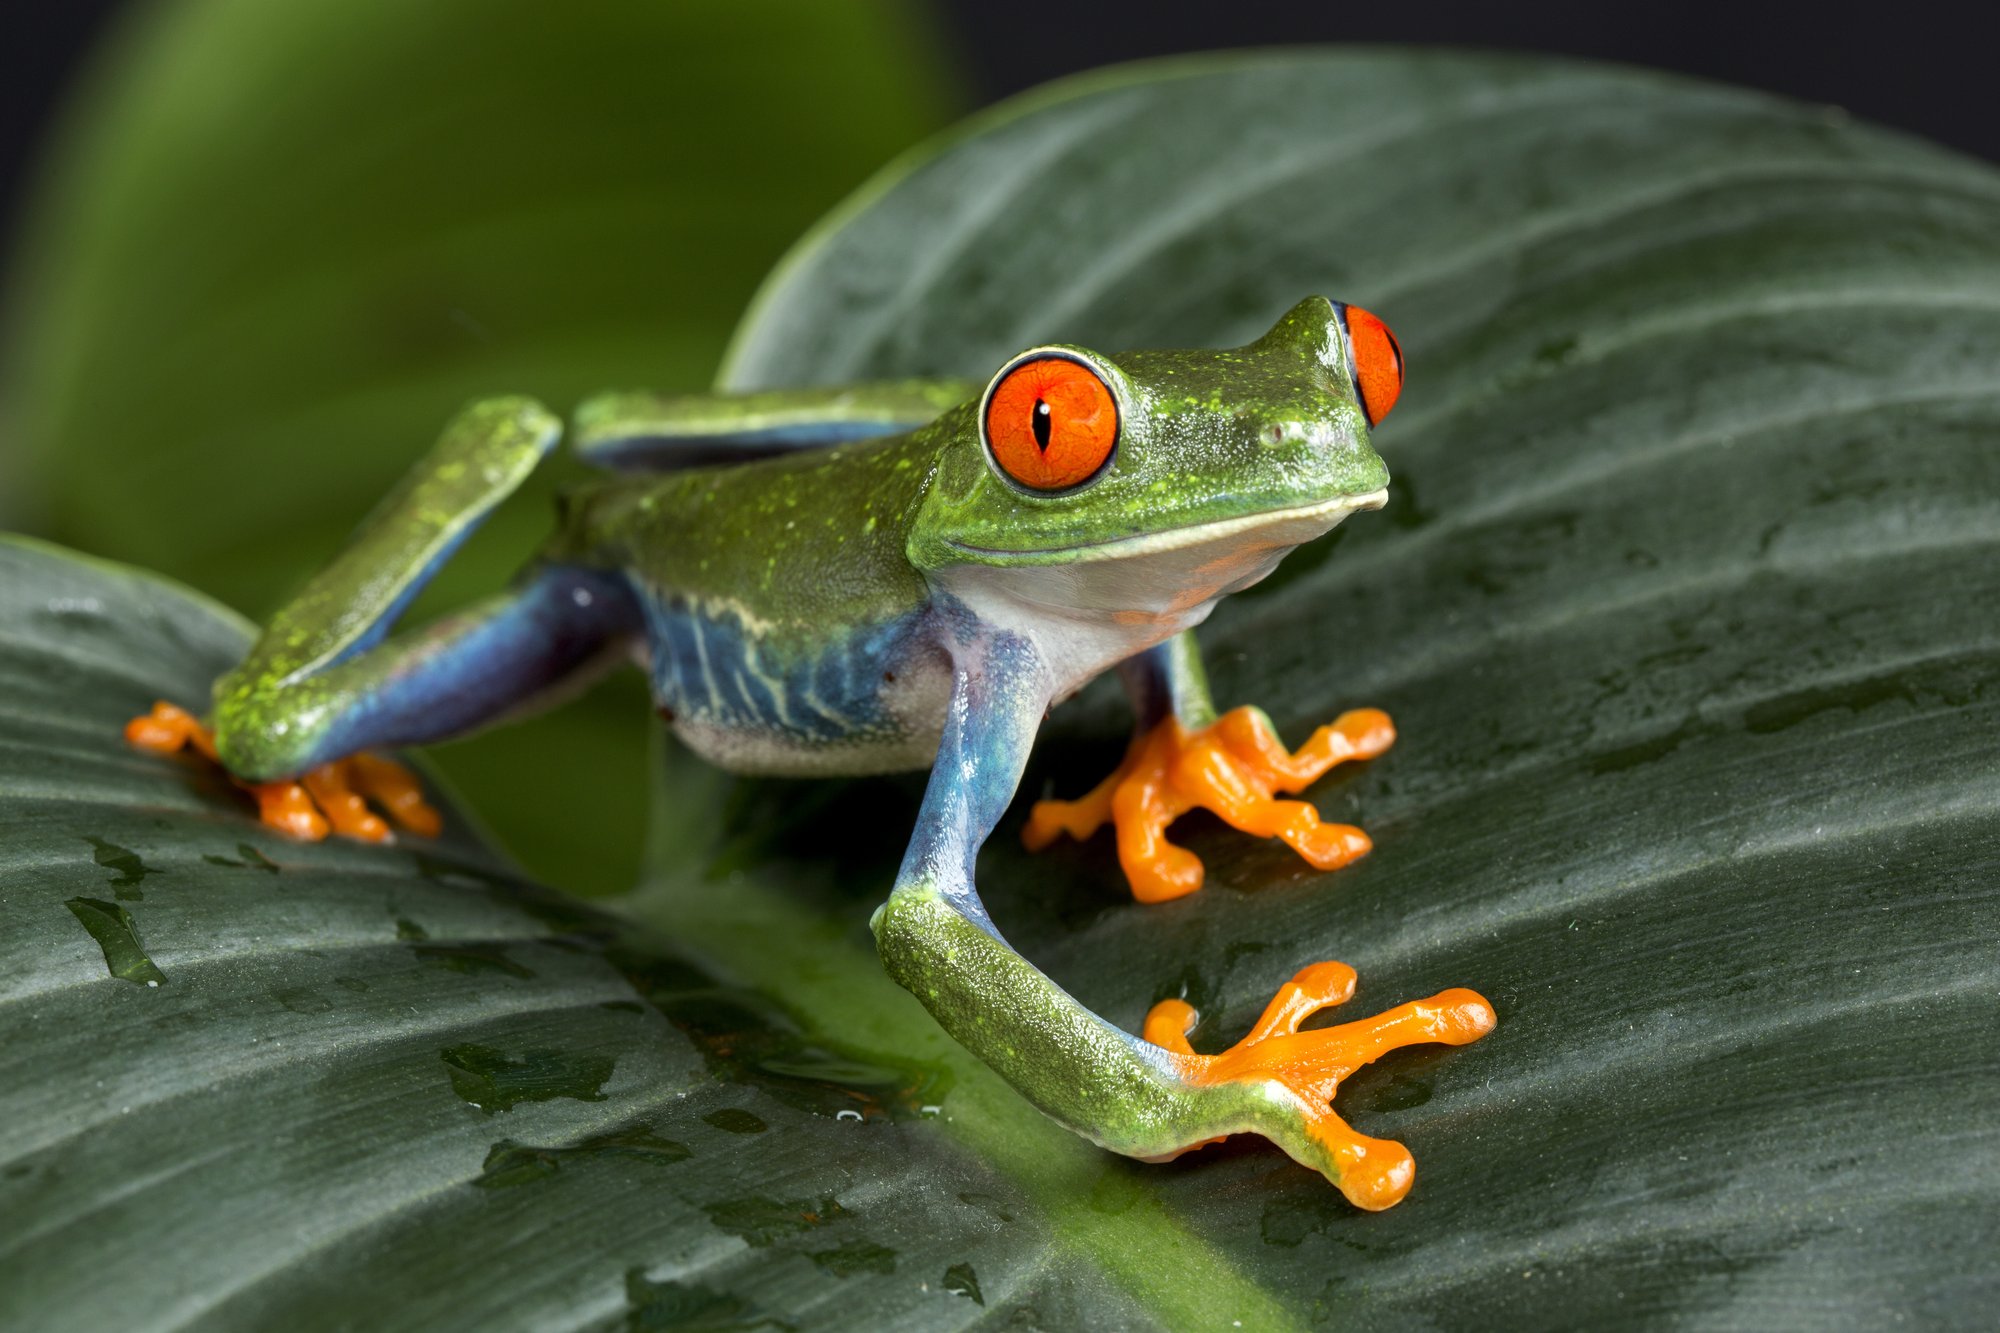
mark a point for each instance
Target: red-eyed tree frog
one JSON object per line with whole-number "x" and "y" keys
{"x": 907, "y": 575}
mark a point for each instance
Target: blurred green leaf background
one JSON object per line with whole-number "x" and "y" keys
{"x": 277, "y": 246}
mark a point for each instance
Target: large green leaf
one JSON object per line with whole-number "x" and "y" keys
{"x": 282, "y": 243}
{"x": 1680, "y": 609}
{"x": 258, "y": 1084}
{"x": 1683, "y": 604}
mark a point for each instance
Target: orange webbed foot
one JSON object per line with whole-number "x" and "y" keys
{"x": 1235, "y": 766}
{"x": 332, "y": 798}
{"x": 1306, "y": 1068}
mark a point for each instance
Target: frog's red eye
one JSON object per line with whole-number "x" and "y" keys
{"x": 1050, "y": 423}
{"x": 1378, "y": 363}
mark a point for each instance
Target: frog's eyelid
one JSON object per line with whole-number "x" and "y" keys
{"x": 1347, "y": 348}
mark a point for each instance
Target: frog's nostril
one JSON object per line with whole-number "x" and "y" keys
{"x": 1311, "y": 436}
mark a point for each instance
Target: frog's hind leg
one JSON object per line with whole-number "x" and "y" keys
{"x": 651, "y": 432}
{"x": 1152, "y": 1097}
{"x": 321, "y": 685}
{"x": 1184, "y": 756}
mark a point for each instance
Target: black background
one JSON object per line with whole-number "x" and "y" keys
{"x": 1929, "y": 68}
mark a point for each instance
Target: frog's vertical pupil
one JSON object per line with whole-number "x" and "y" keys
{"x": 1049, "y": 423}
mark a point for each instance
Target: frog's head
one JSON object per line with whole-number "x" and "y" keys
{"x": 1144, "y": 486}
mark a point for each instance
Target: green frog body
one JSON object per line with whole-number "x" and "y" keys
{"x": 907, "y": 575}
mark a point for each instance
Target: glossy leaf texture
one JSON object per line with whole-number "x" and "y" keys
{"x": 250, "y": 1083}
{"x": 1678, "y": 606}
{"x": 279, "y": 245}
{"x": 1682, "y": 604}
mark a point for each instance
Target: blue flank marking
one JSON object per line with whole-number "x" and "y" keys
{"x": 467, "y": 672}
{"x": 832, "y": 695}
{"x": 668, "y": 453}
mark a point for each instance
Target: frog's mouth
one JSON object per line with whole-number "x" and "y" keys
{"x": 1271, "y": 528}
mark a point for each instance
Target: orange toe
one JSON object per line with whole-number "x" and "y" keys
{"x": 168, "y": 729}
{"x": 287, "y": 807}
{"x": 395, "y": 788}
{"x": 333, "y": 798}
{"x": 1372, "y": 1173}
{"x": 1168, "y": 1023}
{"x": 332, "y": 790}
{"x": 1328, "y": 846}
{"x": 1234, "y": 767}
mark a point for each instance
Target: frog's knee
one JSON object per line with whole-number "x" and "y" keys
{"x": 907, "y": 930}
{"x": 502, "y": 426}
{"x": 253, "y": 756}
{"x": 260, "y": 742}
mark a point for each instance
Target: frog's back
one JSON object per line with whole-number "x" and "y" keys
{"x": 786, "y": 630}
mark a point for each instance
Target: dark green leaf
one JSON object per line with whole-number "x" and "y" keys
{"x": 261, "y": 1097}
{"x": 1683, "y": 608}
{"x": 1679, "y": 609}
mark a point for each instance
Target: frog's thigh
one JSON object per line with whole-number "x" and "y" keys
{"x": 651, "y": 432}
{"x": 442, "y": 681}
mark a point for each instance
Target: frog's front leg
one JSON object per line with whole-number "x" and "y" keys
{"x": 321, "y": 685}
{"x": 1148, "y": 1098}
{"x": 1183, "y": 756}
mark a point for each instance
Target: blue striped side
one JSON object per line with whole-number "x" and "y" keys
{"x": 713, "y": 669}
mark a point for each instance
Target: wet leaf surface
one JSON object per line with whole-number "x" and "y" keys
{"x": 1678, "y": 606}
{"x": 278, "y": 1105}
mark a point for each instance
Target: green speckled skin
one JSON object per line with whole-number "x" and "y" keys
{"x": 848, "y": 533}
{"x": 1131, "y": 1102}
{"x": 806, "y": 543}
{"x": 874, "y": 603}
{"x": 613, "y": 418}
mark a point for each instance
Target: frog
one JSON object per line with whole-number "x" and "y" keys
{"x": 895, "y": 575}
